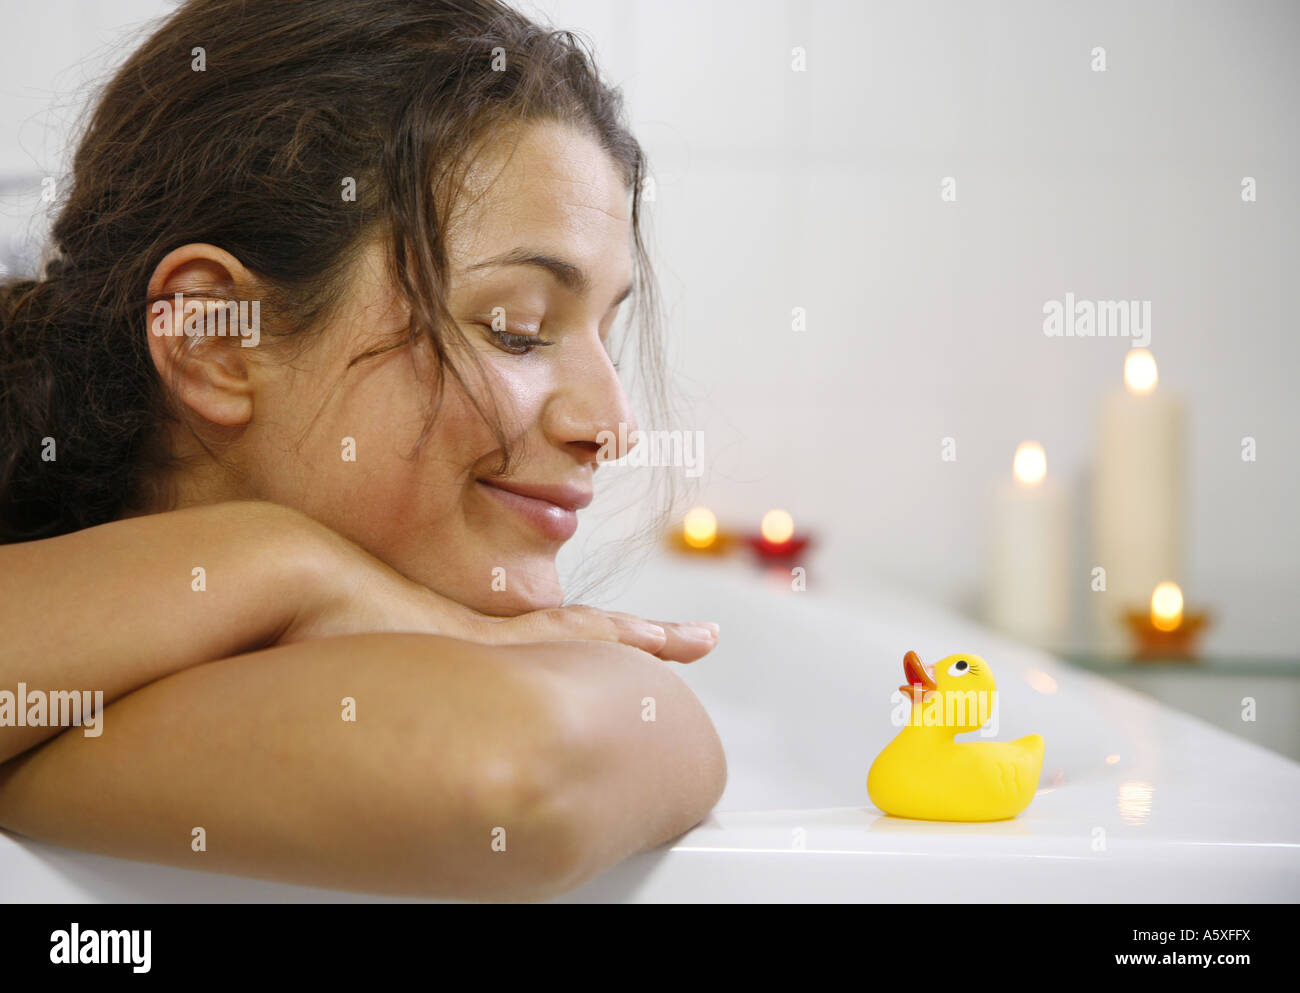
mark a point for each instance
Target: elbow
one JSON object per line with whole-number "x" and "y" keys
{"x": 565, "y": 842}
{"x": 585, "y": 834}
{"x": 581, "y": 780}
{"x": 519, "y": 796}
{"x": 603, "y": 795}
{"x": 541, "y": 843}
{"x": 561, "y": 848}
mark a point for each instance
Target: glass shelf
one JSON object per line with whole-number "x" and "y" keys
{"x": 1211, "y": 666}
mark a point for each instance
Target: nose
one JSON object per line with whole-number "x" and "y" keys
{"x": 588, "y": 412}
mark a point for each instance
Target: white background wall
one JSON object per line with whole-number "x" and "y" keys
{"x": 820, "y": 190}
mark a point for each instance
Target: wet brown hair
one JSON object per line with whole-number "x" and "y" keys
{"x": 251, "y": 154}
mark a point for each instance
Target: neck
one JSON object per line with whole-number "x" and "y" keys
{"x": 928, "y": 718}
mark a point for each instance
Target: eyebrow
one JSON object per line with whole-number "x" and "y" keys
{"x": 570, "y": 276}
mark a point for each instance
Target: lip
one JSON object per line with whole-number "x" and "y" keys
{"x": 553, "y": 510}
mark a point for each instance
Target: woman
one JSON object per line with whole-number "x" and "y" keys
{"x": 310, "y": 561}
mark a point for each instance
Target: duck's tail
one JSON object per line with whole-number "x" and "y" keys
{"x": 1032, "y": 745}
{"x": 1031, "y": 742}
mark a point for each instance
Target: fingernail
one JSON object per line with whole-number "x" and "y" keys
{"x": 704, "y": 630}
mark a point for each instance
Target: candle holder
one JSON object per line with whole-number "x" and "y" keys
{"x": 778, "y": 552}
{"x": 777, "y": 542}
{"x": 722, "y": 544}
{"x": 1156, "y": 645}
{"x": 699, "y": 534}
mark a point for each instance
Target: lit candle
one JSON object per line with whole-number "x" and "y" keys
{"x": 1137, "y": 497}
{"x": 700, "y": 528}
{"x": 776, "y": 538}
{"x": 777, "y": 527}
{"x": 699, "y": 534}
{"x": 1166, "y": 631}
{"x": 1026, "y": 596}
{"x": 1166, "y": 607}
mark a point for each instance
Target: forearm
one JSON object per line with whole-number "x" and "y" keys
{"x": 114, "y": 607}
{"x": 453, "y": 748}
{"x": 470, "y": 771}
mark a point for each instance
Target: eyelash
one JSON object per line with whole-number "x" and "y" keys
{"x": 522, "y": 344}
{"x": 515, "y": 344}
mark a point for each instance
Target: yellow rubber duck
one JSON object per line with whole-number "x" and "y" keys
{"x": 925, "y": 775}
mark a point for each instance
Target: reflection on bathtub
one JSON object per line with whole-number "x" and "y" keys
{"x": 1134, "y": 802}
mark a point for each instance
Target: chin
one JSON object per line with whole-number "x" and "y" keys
{"x": 509, "y": 603}
{"x": 528, "y": 586}
{"x": 513, "y": 604}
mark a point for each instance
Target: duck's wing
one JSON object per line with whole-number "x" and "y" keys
{"x": 1019, "y": 771}
{"x": 1008, "y": 769}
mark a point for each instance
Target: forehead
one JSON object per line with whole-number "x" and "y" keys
{"x": 548, "y": 186}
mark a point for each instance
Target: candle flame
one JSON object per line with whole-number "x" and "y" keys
{"x": 777, "y": 526}
{"x": 1140, "y": 373}
{"x": 700, "y": 527}
{"x": 1030, "y": 463}
{"x": 1167, "y": 607}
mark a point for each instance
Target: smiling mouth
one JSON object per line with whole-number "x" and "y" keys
{"x": 554, "y": 514}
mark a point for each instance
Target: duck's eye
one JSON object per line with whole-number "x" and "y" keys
{"x": 958, "y": 668}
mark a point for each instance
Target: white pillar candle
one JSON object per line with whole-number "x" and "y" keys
{"x": 1027, "y": 595}
{"x": 1137, "y": 498}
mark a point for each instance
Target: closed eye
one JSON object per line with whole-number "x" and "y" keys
{"x": 515, "y": 344}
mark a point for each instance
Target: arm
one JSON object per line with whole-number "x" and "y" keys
{"x": 76, "y": 617}
{"x": 452, "y": 740}
{"x": 649, "y": 764}
{"x": 113, "y": 608}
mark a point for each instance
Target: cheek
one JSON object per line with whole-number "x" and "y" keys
{"x": 347, "y": 453}
{"x": 403, "y": 496}
{"x": 409, "y": 475}
{"x": 517, "y": 385}
{"x": 358, "y": 470}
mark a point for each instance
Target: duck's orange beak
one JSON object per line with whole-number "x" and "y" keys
{"x": 916, "y": 675}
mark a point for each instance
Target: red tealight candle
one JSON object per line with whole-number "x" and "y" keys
{"x": 776, "y": 540}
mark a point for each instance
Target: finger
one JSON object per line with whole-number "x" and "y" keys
{"x": 689, "y": 642}
{"x": 667, "y": 640}
{"x": 640, "y": 633}
{"x": 684, "y": 642}
{"x": 580, "y": 623}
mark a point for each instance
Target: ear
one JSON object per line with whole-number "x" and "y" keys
{"x": 211, "y": 372}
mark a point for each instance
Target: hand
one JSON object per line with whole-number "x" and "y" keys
{"x": 357, "y": 593}
{"x": 668, "y": 640}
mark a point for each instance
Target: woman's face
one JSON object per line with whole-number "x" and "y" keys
{"x": 541, "y": 260}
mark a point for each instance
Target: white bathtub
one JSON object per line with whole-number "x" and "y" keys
{"x": 1136, "y": 802}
